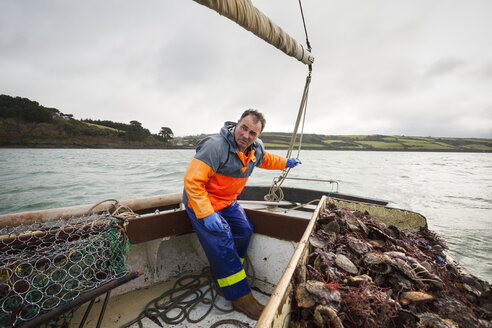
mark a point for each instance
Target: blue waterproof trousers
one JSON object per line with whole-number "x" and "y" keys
{"x": 226, "y": 250}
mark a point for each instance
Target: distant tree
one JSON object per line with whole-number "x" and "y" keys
{"x": 166, "y": 133}
{"x": 136, "y": 132}
{"x": 24, "y": 109}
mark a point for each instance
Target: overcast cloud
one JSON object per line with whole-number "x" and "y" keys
{"x": 421, "y": 67}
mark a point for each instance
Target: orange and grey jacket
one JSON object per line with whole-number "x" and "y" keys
{"x": 218, "y": 172}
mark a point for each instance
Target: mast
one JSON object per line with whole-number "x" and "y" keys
{"x": 249, "y": 17}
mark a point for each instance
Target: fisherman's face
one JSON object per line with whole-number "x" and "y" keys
{"x": 246, "y": 132}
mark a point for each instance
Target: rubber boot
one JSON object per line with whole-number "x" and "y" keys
{"x": 248, "y": 305}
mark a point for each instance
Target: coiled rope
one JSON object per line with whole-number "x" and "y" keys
{"x": 180, "y": 302}
{"x": 176, "y": 305}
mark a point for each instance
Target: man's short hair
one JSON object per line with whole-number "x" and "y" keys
{"x": 257, "y": 117}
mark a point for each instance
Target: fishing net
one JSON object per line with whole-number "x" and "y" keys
{"x": 43, "y": 266}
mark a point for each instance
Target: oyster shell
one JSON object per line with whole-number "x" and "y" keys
{"x": 321, "y": 239}
{"x": 318, "y": 241}
{"x": 333, "y": 226}
{"x": 323, "y": 294}
{"x": 303, "y": 297}
{"x": 358, "y": 280}
{"x": 325, "y": 316}
{"x": 301, "y": 272}
{"x": 344, "y": 263}
{"x": 414, "y": 297}
{"x": 433, "y": 320}
{"x": 357, "y": 245}
{"x": 363, "y": 226}
{"x": 377, "y": 262}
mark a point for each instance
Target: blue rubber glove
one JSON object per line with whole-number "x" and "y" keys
{"x": 213, "y": 222}
{"x": 292, "y": 162}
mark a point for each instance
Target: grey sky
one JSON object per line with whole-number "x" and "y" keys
{"x": 420, "y": 67}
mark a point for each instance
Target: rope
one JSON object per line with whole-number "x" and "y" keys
{"x": 185, "y": 295}
{"x": 179, "y": 303}
{"x": 89, "y": 212}
{"x": 275, "y": 193}
{"x": 301, "y": 205}
{"x": 286, "y": 210}
{"x": 116, "y": 209}
{"x": 305, "y": 29}
{"x": 233, "y": 322}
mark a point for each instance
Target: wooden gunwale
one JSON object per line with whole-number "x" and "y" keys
{"x": 274, "y": 313}
{"x": 17, "y": 219}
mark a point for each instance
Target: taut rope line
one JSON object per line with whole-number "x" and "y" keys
{"x": 276, "y": 194}
{"x": 305, "y": 29}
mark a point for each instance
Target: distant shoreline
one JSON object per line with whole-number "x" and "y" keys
{"x": 27, "y": 124}
{"x": 53, "y": 146}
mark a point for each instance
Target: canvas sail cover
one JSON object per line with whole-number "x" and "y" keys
{"x": 248, "y": 16}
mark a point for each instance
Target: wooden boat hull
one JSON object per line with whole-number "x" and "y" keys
{"x": 163, "y": 245}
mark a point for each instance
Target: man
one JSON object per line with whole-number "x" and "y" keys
{"x": 215, "y": 177}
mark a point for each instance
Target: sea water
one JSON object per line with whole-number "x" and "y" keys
{"x": 452, "y": 190}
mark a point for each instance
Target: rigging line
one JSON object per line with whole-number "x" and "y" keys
{"x": 304, "y": 116}
{"x": 305, "y": 29}
{"x": 302, "y": 110}
{"x": 275, "y": 193}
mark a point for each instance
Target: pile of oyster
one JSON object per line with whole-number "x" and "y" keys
{"x": 361, "y": 273}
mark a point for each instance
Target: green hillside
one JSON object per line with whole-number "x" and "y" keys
{"x": 379, "y": 142}
{"x": 26, "y": 123}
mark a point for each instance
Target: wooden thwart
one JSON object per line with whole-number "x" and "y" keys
{"x": 146, "y": 228}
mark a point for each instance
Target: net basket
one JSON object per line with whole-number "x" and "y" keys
{"x": 46, "y": 265}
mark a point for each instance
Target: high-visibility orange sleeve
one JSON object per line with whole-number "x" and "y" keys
{"x": 196, "y": 176}
{"x": 273, "y": 162}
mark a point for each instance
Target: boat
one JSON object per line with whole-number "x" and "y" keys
{"x": 164, "y": 249}
{"x": 157, "y": 253}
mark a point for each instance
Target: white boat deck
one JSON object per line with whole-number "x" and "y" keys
{"x": 164, "y": 261}
{"x": 123, "y": 308}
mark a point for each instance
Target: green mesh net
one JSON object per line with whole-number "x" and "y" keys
{"x": 43, "y": 266}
